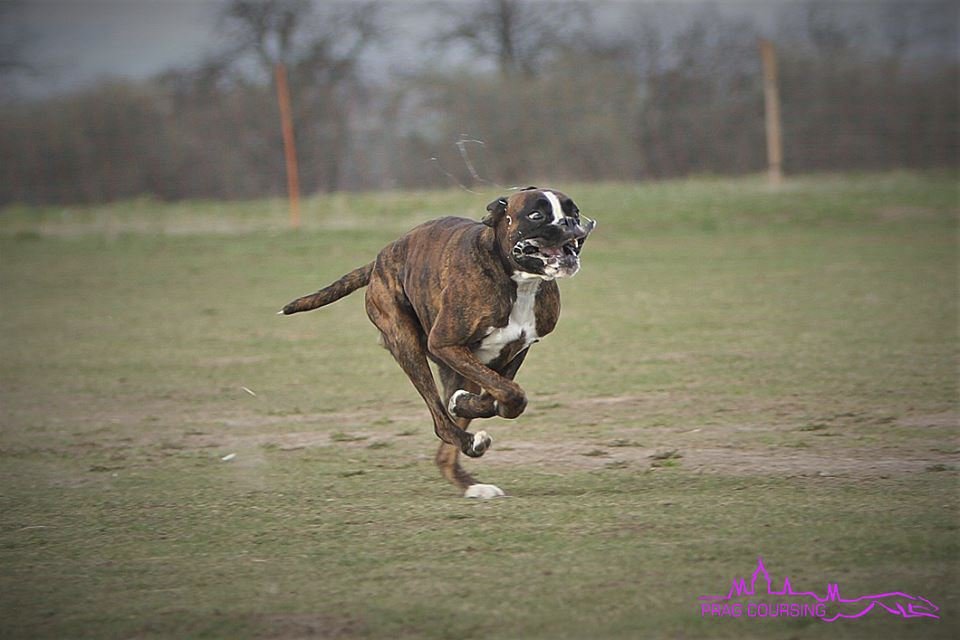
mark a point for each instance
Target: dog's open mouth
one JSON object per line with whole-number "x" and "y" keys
{"x": 534, "y": 249}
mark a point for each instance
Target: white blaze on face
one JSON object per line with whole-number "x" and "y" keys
{"x": 555, "y": 205}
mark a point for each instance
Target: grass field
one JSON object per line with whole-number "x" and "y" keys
{"x": 738, "y": 372}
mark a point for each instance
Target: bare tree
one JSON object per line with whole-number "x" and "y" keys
{"x": 827, "y": 33}
{"x": 327, "y": 36}
{"x": 266, "y": 29}
{"x": 905, "y": 27}
{"x": 13, "y": 56}
{"x": 11, "y": 42}
{"x": 321, "y": 45}
{"x": 517, "y": 35}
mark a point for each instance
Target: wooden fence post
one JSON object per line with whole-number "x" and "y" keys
{"x": 289, "y": 146}
{"x": 771, "y": 100}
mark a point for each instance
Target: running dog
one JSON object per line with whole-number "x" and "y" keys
{"x": 472, "y": 297}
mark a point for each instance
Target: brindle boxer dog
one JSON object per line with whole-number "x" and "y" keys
{"x": 472, "y": 298}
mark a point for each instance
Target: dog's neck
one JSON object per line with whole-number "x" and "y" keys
{"x": 527, "y": 288}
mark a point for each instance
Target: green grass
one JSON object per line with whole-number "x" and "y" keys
{"x": 795, "y": 349}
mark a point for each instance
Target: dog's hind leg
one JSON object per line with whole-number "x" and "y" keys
{"x": 448, "y": 461}
{"x": 447, "y": 458}
{"x": 405, "y": 340}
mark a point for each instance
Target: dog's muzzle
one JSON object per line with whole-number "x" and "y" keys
{"x": 557, "y": 247}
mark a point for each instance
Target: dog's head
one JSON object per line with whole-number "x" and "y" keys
{"x": 540, "y": 232}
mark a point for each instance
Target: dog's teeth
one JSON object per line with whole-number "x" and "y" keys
{"x": 552, "y": 251}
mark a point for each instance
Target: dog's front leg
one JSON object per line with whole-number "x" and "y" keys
{"x": 509, "y": 396}
{"x": 464, "y": 404}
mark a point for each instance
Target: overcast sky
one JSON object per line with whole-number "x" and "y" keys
{"x": 72, "y": 42}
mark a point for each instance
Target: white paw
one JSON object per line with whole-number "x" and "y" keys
{"x": 481, "y": 441}
{"x": 484, "y": 491}
{"x": 452, "y": 405}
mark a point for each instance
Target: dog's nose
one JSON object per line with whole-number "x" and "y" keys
{"x": 576, "y": 229}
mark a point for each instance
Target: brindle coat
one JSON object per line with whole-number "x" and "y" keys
{"x": 437, "y": 292}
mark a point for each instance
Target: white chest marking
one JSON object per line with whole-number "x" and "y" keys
{"x": 522, "y": 323}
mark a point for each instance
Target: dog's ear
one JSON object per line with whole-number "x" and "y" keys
{"x": 497, "y": 209}
{"x": 531, "y": 188}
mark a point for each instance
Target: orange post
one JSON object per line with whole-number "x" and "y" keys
{"x": 289, "y": 146}
{"x": 771, "y": 99}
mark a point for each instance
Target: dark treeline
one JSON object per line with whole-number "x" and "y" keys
{"x": 414, "y": 95}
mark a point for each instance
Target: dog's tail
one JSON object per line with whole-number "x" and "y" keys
{"x": 346, "y": 285}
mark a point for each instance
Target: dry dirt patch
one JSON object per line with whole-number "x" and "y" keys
{"x": 708, "y": 450}
{"x": 779, "y": 461}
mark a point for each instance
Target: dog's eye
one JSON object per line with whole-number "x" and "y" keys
{"x": 535, "y": 215}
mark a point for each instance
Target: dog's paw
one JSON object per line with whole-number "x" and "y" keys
{"x": 481, "y": 442}
{"x": 464, "y": 404}
{"x": 483, "y": 491}
{"x": 452, "y": 405}
{"x": 512, "y": 405}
